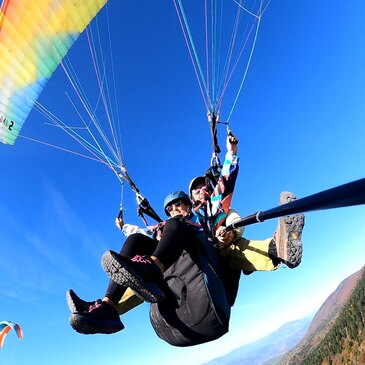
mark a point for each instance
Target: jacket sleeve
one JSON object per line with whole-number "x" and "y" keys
{"x": 232, "y": 217}
{"x": 223, "y": 191}
{"x": 129, "y": 229}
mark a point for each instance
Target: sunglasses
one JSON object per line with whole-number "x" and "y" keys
{"x": 198, "y": 191}
{"x": 175, "y": 204}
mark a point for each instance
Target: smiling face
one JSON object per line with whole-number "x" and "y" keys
{"x": 178, "y": 207}
{"x": 200, "y": 193}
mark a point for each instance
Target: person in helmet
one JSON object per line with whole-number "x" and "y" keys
{"x": 211, "y": 206}
{"x": 145, "y": 255}
{"x": 156, "y": 230}
{"x": 255, "y": 255}
{"x": 176, "y": 204}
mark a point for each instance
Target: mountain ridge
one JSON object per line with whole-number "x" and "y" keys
{"x": 292, "y": 342}
{"x": 336, "y": 329}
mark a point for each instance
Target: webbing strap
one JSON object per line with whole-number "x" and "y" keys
{"x": 144, "y": 207}
{"x": 213, "y": 121}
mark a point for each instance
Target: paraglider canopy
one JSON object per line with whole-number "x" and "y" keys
{"x": 5, "y": 327}
{"x": 34, "y": 40}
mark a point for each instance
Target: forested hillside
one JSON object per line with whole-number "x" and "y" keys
{"x": 344, "y": 343}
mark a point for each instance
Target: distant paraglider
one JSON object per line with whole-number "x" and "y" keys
{"x": 5, "y": 327}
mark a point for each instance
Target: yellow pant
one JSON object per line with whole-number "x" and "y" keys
{"x": 249, "y": 255}
{"x": 128, "y": 301}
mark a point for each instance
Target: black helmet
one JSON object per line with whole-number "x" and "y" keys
{"x": 176, "y": 195}
{"x": 195, "y": 182}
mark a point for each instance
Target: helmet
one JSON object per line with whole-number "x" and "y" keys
{"x": 176, "y": 195}
{"x": 195, "y": 182}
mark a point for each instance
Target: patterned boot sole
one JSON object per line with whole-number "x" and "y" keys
{"x": 292, "y": 253}
{"x": 123, "y": 274}
{"x": 88, "y": 326}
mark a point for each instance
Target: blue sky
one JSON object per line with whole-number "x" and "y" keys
{"x": 300, "y": 122}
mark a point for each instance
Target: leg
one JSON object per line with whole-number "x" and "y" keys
{"x": 102, "y": 316}
{"x": 285, "y": 247}
{"x": 128, "y": 301}
{"x": 174, "y": 239}
{"x": 141, "y": 273}
{"x": 123, "y": 299}
{"x": 138, "y": 244}
{"x": 250, "y": 255}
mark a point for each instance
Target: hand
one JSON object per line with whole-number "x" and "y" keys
{"x": 231, "y": 143}
{"x": 119, "y": 223}
{"x": 224, "y": 238}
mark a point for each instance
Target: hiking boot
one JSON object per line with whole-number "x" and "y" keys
{"x": 288, "y": 236}
{"x": 76, "y": 304}
{"x": 140, "y": 273}
{"x": 100, "y": 318}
